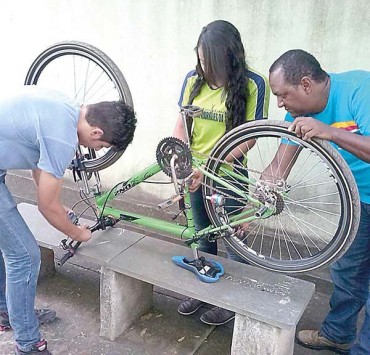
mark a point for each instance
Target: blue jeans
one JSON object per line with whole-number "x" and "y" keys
{"x": 350, "y": 275}
{"x": 202, "y": 221}
{"x": 361, "y": 347}
{"x": 19, "y": 269}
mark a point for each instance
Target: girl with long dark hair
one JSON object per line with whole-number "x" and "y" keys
{"x": 230, "y": 94}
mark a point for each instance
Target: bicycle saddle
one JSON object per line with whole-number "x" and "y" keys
{"x": 205, "y": 270}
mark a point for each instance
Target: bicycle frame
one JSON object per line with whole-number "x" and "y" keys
{"x": 108, "y": 215}
{"x": 246, "y": 198}
{"x": 183, "y": 231}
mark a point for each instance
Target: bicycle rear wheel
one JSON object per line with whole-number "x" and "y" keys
{"x": 317, "y": 212}
{"x": 87, "y": 75}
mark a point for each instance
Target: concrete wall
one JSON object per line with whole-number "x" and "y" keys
{"x": 152, "y": 42}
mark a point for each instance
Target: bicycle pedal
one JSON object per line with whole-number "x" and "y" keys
{"x": 169, "y": 202}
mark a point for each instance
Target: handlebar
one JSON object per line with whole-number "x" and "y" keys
{"x": 67, "y": 256}
{"x": 72, "y": 247}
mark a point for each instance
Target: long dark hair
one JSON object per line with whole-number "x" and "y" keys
{"x": 224, "y": 61}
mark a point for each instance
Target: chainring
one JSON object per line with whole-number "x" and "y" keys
{"x": 169, "y": 147}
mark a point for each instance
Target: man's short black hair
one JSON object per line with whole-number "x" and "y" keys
{"x": 116, "y": 119}
{"x": 296, "y": 63}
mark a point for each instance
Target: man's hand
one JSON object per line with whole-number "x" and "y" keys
{"x": 242, "y": 229}
{"x": 308, "y": 127}
{"x": 196, "y": 180}
{"x": 84, "y": 235}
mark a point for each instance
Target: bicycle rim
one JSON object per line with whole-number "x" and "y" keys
{"x": 317, "y": 215}
{"x": 87, "y": 75}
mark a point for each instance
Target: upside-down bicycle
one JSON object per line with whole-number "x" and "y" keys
{"x": 295, "y": 224}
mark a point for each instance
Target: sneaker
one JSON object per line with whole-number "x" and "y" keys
{"x": 4, "y": 321}
{"x": 44, "y": 316}
{"x": 189, "y": 306}
{"x": 314, "y": 340}
{"x": 217, "y": 316}
{"x": 40, "y": 348}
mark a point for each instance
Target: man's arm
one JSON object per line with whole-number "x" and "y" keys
{"x": 308, "y": 128}
{"x": 48, "y": 195}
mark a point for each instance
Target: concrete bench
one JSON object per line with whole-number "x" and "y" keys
{"x": 267, "y": 305}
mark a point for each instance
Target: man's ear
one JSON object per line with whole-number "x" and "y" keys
{"x": 306, "y": 83}
{"x": 96, "y": 132}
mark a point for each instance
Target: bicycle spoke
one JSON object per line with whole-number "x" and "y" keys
{"x": 301, "y": 201}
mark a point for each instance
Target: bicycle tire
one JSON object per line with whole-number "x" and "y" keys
{"x": 48, "y": 70}
{"x": 284, "y": 247}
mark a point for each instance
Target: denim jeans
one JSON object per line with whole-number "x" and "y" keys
{"x": 350, "y": 275}
{"x": 202, "y": 221}
{"x": 361, "y": 347}
{"x": 19, "y": 269}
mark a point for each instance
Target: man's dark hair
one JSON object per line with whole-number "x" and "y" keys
{"x": 296, "y": 64}
{"x": 116, "y": 119}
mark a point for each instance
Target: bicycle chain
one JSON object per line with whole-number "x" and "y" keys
{"x": 168, "y": 146}
{"x": 229, "y": 164}
{"x": 216, "y": 189}
{"x": 279, "y": 204}
{"x": 208, "y": 157}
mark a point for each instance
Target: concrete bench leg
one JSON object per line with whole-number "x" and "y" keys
{"x": 47, "y": 263}
{"x": 253, "y": 337}
{"x": 123, "y": 299}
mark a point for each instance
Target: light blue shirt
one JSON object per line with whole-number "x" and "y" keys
{"x": 348, "y": 108}
{"x": 38, "y": 129}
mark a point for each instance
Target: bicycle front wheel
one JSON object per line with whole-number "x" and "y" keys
{"x": 86, "y": 75}
{"x": 316, "y": 207}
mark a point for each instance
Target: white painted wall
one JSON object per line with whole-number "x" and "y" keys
{"x": 152, "y": 42}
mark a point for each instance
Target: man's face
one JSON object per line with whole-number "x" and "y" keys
{"x": 91, "y": 138}
{"x": 293, "y": 98}
{"x": 98, "y": 144}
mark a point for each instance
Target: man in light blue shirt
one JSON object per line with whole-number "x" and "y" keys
{"x": 334, "y": 107}
{"x": 40, "y": 131}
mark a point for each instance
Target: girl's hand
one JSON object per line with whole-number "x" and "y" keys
{"x": 196, "y": 181}
{"x": 242, "y": 229}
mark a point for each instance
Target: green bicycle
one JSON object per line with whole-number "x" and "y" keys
{"x": 289, "y": 224}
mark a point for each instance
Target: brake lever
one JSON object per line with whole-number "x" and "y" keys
{"x": 71, "y": 248}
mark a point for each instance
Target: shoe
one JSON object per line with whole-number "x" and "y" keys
{"x": 189, "y": 306}
{"x": 4, "y": 321}
{"x": 40, "y": 348}
{"x": 313, "y": 340}
{"x": 217, "y": 316}
{"x": 44, "y": 316}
